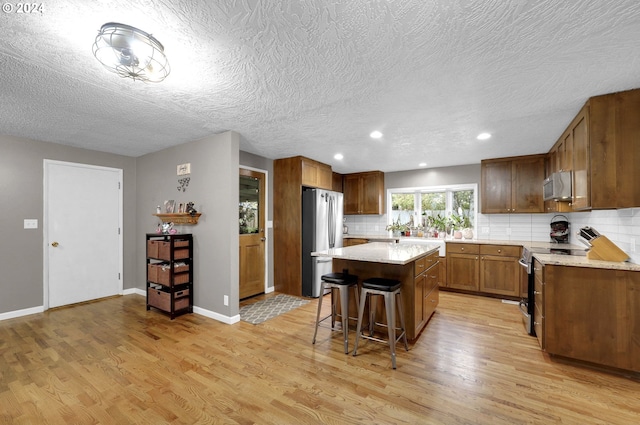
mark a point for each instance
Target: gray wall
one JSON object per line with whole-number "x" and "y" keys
{"x": 462, "y": 174}
{"x": 214, "y": 190}
{"x": 21, "y": 188}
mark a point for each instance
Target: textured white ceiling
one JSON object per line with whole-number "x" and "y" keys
{"x": 314, "y": 78}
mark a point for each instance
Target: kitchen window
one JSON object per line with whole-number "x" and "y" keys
{"x": 421, "y": 207}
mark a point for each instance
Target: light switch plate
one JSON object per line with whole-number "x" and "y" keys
{"x": 30, "y": 223}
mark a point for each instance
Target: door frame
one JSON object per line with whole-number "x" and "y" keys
{"x": 268, "y": 225}
{"x": 45, "y": 223}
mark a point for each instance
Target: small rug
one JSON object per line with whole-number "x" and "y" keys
{"x": 270, "y": 308}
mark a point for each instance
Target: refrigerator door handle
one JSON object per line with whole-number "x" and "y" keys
{"x": 326, "y": 260}
{"x": 332, "y": 221}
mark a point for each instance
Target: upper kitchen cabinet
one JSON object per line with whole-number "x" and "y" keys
{"x": 606, "y": 152}
{"x": 316, "y": 174}
{"x": 364, "y": 193}
{"x": 560, "y": 158}
{"x": 512, "y": 185}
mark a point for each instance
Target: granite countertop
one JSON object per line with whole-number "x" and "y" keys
{"x": 380, "y": 252}
{"x": 579, "y": 261}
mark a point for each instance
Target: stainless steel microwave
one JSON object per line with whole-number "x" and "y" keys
{"x": 557, "y": 187}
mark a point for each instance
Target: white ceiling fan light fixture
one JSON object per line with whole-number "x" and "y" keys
{"x": 375, "y": 134}
{"x": 338, "y": 156}
{"x": 422, "y": 164}
{"x": 131, "y": 53}
{"x": 484, "y": 136}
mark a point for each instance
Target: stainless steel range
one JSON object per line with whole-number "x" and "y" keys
{"x": 527, "y": 304}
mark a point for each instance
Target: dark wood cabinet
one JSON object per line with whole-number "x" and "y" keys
{"x": 463, "y": 266}
{"x": 499, "y": 270}
{"x": 512, "y": 185}
{"x": 600, "y": 146}
{"x": 592, "y": 315}
{"x": 289, "y": 176}
{"x": 170, "y": 273}
{"x": 363, "y": 193}
{"x": 484, "y": 268}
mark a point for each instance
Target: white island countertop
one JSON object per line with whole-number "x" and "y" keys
{"x": 380, "y": 252}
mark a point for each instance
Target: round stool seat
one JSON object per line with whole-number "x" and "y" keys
{"x": 381, "y": 284}
{"x": 340, "y": 278}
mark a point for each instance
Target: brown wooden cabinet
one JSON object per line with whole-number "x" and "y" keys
{"x": 363, "y": 193}
{"x": 559, "y": 158}
{"x": 484, "y": 268}
{"x": 538, "y": 313}
{"x": 592, "y": 315}
{"x": 601, "y": 149}
{"x": 512, "y": 185}
{"x": 354, "y": 241}
{"x": 316, "y": 174}
{"x": 463, "y": 266}
{"x": 499, "y": 269}
{"x": 426, "y": 296}
{"x": 289, "y": 175}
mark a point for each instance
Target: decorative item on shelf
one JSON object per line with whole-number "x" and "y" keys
{"x": 166, "y": 228}
{"x": 190, "y": 209}
{"x": 131, "y": 53}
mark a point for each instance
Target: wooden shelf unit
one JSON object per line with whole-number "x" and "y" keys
{"x": 169, "y": 281}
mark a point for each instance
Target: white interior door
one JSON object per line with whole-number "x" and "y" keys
{"x": 82, "y": 224}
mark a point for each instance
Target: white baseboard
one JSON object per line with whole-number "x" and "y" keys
{"x": 217, "y": 316}
{"x": 269, "y": 290}
{"x": 197, "y": 310}
{"x": 20, "y": 313}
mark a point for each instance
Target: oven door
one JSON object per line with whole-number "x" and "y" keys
{"x": 526, "y": 304}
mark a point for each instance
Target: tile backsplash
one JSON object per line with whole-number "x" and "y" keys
{"x": 621, "y": 226}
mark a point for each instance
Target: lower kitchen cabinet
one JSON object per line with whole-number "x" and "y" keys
{"x": 538, "y": 313}
{"x": 463, "y": 266}
{"x": 499, "y": 269}
{"x": 485, "y": 268}
{"x": 426, "y": 295}
{"x": 592, "y": 315}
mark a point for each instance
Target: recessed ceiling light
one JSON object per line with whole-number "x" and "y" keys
{"x": 375, "y": 134}
{"x": 338, "y": 156}
{"x": 422, "y": 164}
{"x": 484, "y": 136}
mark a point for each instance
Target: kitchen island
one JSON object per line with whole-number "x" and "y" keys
{"x": 416, "y": 266}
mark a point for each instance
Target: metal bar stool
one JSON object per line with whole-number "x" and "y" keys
{"x": 342, "y": 282}
{"x": 389, "y": 289}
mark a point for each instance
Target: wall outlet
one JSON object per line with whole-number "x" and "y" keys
{"x": 485, "y": 230}
{"x": 30, "y": 223}
{"x": 508, "y": 230}
{"x": 226, "y": 300}
{"x": 632, "y": 243}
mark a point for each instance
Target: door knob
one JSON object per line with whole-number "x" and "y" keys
{"x": 54, "y": 244}
{"x": 263, "y": 239}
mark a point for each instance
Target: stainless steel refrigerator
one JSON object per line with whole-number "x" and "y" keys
{"x": 321, "y": 230}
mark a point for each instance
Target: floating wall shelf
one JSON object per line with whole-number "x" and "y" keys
{"x": 179, "y": 218}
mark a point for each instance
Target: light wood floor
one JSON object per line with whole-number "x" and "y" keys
{"x": 113, "y": 362}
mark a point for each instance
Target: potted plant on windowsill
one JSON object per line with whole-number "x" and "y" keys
{"x": 397, "y": 228}
{"x": 455, "y": 221}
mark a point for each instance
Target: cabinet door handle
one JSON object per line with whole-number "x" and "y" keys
{"x": 462, "y": 249}
{"x": 537, "y": 293}
{"x": 499, "y": 251}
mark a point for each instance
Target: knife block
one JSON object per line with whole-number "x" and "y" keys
{"x": 603, "y": 249}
